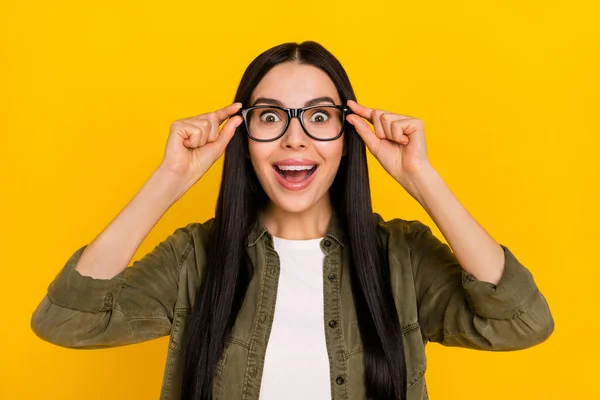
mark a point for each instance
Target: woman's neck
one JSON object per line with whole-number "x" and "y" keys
{"x": 309, "y": 224}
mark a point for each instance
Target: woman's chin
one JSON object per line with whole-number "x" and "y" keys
{"x": 294, "y": 204}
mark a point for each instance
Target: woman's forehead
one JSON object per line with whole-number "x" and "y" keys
{"x": 294, "y": 84}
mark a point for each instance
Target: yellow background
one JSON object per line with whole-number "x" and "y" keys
{"x": 508, "y": 92}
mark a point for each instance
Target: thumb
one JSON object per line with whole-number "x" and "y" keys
{"x": 227, "y": 132}
{"x": 365, "y": 132}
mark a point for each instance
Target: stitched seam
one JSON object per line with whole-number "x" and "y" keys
{"x": 172, "y": 348}
{"x": 409, "y": 328}
{"x": 275, "y": 258}
{"x": 239, "y": 342}
{"x": 255, "y": 337}
{"x": 117, "y": 307}
{"x": 145, "y": 318}
{"x": 353, "y": 353}
{"x": 468, "y": 335}
{"x": 330, "y": 353}
{"x": 414, "y": 381}
{"x": 177, "y": 312}
{"x": 405, "y": 331}
{"x": 185, "y": 256}
{"x": 230, "y": 339}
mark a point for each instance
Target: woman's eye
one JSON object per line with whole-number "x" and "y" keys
{"x": 320, "y": 117}
{"x": 269, "y": 117}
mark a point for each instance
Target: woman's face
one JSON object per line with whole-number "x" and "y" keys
{"x": 295, "y": 85}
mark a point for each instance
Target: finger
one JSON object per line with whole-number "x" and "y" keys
{"x": 213, "y": 132}
{"x": 365, "y": 132}
{"x": 193, "y": 136}
{"x": 397, "y": 131}
{"x": 361, "y": 110}
{"x": 219, "y": 116}
{"x": 386, "y": 120}
{"x": 227, "y": 132}
{"x": 225, "y": 112}
{"x": 206, "y": 126}
{"x": 411, "y": 125}
{"x": 200, "y": 121}
{"x": 377, "y": 124}
{"x": 391, "y": 126}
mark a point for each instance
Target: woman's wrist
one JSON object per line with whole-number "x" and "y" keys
{"x": 171, "y": 184}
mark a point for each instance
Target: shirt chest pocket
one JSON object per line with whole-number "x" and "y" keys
{"x": 414, "y": 354}
{"x": 178, "y": 337}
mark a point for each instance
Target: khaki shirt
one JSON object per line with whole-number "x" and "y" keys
{"x": 437, "y": 301}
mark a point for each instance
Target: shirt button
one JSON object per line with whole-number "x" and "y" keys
{"x": 339, "y": 380}
{"x": 327, "y": 243}
{"x": 332, "y": 323}
{"x": 332, "y": 277}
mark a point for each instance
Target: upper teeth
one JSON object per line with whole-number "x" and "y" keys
{"x": 295, "y": 167}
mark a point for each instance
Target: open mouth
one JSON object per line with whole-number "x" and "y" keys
{"x": 295, "y": 173}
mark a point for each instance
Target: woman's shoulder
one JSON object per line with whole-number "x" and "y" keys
{"x": 200, "y": 228}
{"x": 398, "y": 228}
{"x": 192, "y": 235}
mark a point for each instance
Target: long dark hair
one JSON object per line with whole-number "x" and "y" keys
{"x": 241, "y": 197}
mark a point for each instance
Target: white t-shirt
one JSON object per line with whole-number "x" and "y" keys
{"x": 296, "y": 361}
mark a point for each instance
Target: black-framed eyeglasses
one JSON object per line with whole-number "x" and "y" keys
{"x": 265, "y": 123}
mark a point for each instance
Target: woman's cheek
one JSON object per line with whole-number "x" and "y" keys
{"x": 331, "y": 153}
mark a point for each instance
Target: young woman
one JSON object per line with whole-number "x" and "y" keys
{"x": 296, "y": 289}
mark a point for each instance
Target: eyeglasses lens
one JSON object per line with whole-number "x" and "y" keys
{"x": 268, "y": 123}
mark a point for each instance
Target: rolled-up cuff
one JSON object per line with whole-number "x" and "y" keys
{"x": 72, "y": 290}
{"x": 510, "y": 297}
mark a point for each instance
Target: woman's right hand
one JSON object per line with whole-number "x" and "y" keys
{"x": 195, "y": 143}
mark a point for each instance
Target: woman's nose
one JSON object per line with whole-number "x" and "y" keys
{"x": 294, "y": 136}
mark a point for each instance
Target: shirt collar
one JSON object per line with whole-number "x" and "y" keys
{"x": 334, "y": 229}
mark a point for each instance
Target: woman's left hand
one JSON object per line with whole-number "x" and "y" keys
{"x": 398, "y": 142}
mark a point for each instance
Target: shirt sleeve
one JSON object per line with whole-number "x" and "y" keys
{"x": 456, "y": 309}
{"x": 136, "y": 305}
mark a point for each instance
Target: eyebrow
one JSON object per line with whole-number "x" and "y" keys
{"x": 275, "y": 102}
